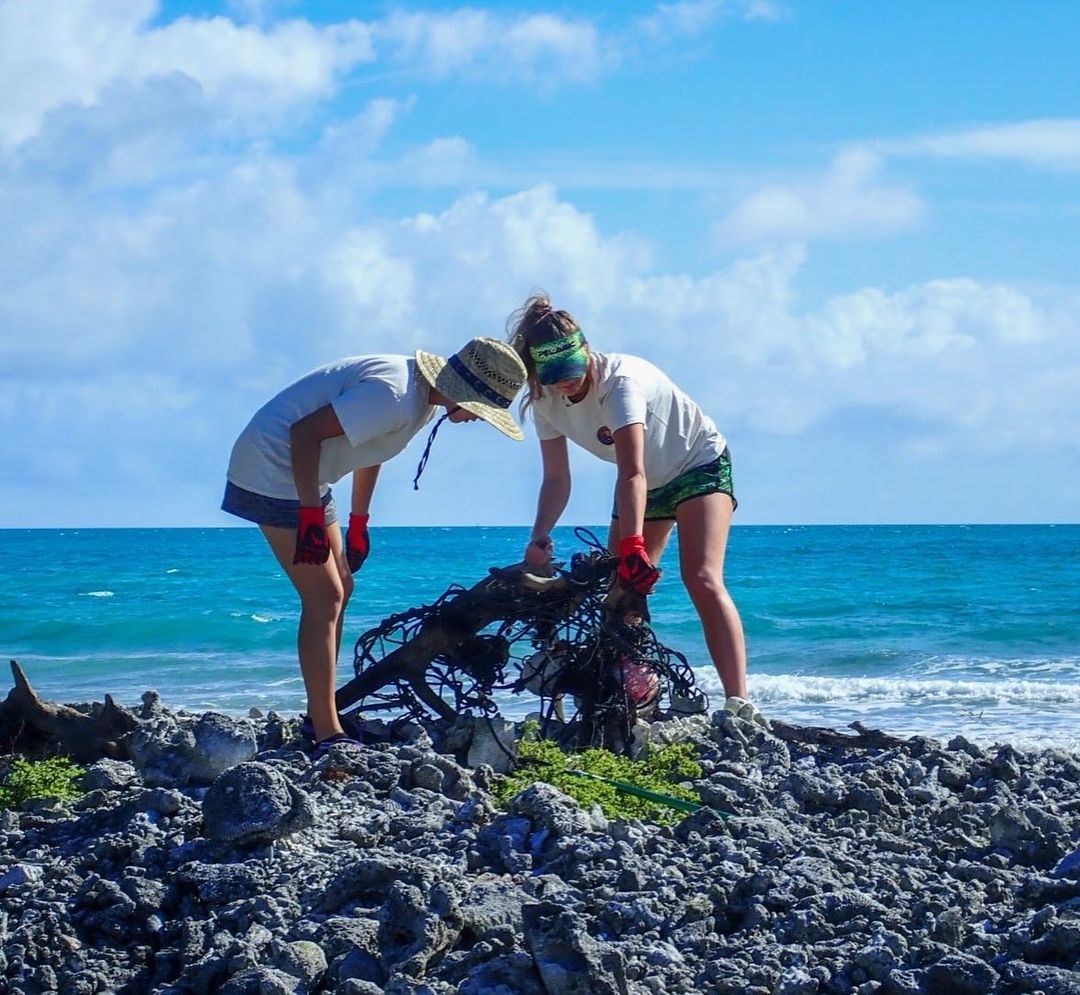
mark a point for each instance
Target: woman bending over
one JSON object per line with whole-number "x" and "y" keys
{"x": 351, "y": 415}
{"x": 673, "y": 467}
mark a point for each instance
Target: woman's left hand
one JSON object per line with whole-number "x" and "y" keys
{"x": 357, "y": 541}
{"x": 636, "y": 570}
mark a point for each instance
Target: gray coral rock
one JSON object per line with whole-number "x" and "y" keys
{"x": 255, "y": 803}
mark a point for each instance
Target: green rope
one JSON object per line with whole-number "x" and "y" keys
{"x": 681, "y": 804}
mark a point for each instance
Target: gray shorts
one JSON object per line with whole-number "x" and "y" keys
{"x": 262, "y": 510}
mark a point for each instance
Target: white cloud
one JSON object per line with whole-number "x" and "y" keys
{"x": 960, "y": 361}
{"x": 921, "y": 322}
{"x": 55, "y": 53}
{"x": 542, "y": 47}
{"x": 440, "y": 162}
{"x": 963, "y": 359}
{"x": 70, "y": 53}
{"x": 260, "y": 11}
{"x": 376, "y": 288}
{"x": 233, "y": 285}
{"x": 1048, "y": 142}
{"x": 361, "y": 134}
{"x": 692, "y": 18}
{"x": 847, "y": 201}
{"x": 344, "y": 159}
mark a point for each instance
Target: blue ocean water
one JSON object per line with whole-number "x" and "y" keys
{"x": 911, "y": 629}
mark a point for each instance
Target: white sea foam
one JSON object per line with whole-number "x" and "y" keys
{"x": 97, "y": 594}
{"x": 905, "y": 692}
{"x": 285, "y": 682}
{"x": 1027, "y": 713}
{"x": 958, "y": 668}
{"x": 261, "y": 617}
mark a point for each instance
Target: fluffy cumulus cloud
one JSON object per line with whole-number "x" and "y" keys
{"x": 924, "y": 322}
{"x": 56, "y": 53}
{"x": 933, "y": 356}
{"x": 936, "y": 353}
{"x": 848, "y": 200}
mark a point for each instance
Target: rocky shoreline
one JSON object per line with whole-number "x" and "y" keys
{"x": 216, "y": 856}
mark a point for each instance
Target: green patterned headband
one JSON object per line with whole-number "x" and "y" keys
{"x": 561, "y": 359}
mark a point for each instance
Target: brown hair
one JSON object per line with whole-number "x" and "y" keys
{"x": 534, "y": 323}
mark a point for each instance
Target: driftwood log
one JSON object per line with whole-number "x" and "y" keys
{"x": 30, "y": 724}
{"x": 864, "y": 738}
{"x": 471, "y": 612}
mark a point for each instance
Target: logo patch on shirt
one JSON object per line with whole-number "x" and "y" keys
{"x": 604, "y": 435}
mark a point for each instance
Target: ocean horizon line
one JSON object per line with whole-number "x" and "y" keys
{"x": 525, "y": 525}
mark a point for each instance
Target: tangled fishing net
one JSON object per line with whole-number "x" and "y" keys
{"x": 571, "y": 637}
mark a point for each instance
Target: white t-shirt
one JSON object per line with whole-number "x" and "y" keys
{"x": 381, "y": 402}
{"x": 625, "y": 391}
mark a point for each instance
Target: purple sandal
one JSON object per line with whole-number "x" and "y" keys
{"x": 323, "y": 746}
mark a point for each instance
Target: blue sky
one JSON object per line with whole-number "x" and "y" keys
{"x": 849, "y": 230}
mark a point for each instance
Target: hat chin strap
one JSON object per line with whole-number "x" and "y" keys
{"x": 427, "y": 449}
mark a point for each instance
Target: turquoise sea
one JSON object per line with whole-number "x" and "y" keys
{"x": 927, "y": 629}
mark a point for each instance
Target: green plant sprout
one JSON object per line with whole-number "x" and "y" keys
{"x": 659, "y": 770}
{"x": 26, "y": 780}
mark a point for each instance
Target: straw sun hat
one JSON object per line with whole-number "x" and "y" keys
{"x": 484, "y": 377}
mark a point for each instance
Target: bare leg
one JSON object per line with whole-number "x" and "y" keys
{"x": 324, "y": 591}
{"x": 655, "y": 534}
{"x": 704, "y": 523}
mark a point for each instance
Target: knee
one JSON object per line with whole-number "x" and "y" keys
{"x": 704, "y": 585}
{"x": 326, "y": 605}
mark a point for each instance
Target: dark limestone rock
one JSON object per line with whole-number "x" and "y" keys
{"x": 255, "y": 803}
{"x": 961, "y": 974}
{"x": 569, "y": 960}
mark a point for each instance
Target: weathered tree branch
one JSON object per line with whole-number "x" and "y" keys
{"x": 864, "y": 738}
{"x": 29, "y": 722}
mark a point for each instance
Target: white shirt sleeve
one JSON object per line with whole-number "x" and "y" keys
{"x": 368, "y": 410}
{"x": 628, "y": 404}
{"x": 544, "y": 428}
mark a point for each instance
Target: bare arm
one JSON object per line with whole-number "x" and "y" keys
{"x": 630, "y": 487}
{"x": 363, "y": 486}
{"x": 305, "y": 440}
{"x": 555, "y": 489}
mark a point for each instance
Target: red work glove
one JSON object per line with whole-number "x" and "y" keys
{"x": 635, "y": 569}
{"x": 312, "y": 542}
{"x": 357, "y": 542}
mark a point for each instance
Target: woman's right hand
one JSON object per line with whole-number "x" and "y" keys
{"x": 312, "y": 542}
{"x": 636, "y": 570}
{"x": 539, "y": 552}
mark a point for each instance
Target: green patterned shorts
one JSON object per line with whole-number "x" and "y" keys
{"x": 710, "y": 478}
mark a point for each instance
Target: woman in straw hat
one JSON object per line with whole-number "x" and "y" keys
{"x": 350, "y": 415}
{"x": 673, "y": 469}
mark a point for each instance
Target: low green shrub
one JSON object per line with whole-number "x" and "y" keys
{"x": 29, "y": 779}
{"x": 659, "y": 770}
